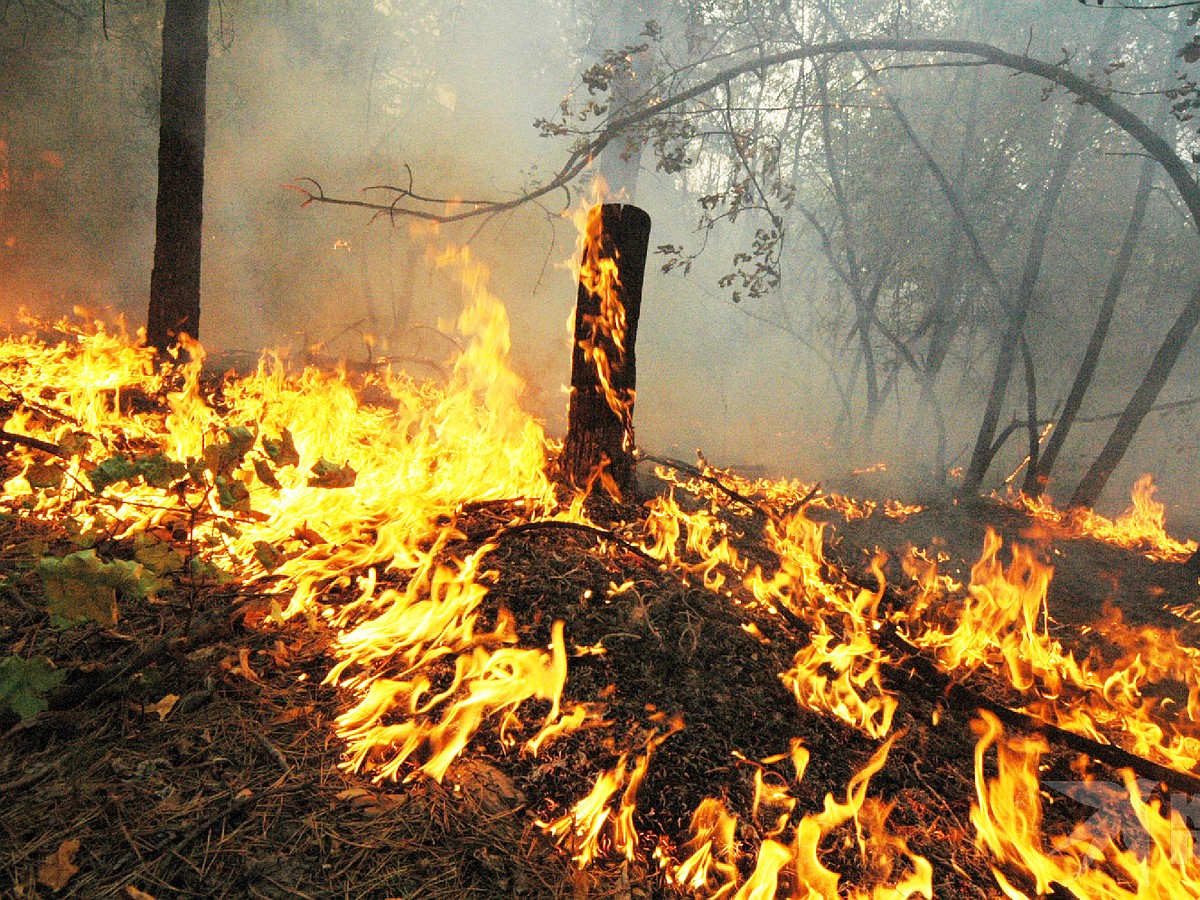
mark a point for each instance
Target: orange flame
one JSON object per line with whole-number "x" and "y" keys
{"x": 1141, "y": 527}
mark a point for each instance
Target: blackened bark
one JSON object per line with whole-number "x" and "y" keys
{"x": 1139, "y": 405}
{"x": 599, "y": 435}
{"x": 175, "y": 281}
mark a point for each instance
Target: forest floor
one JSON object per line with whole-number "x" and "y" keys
{"x": 191, "y": 750}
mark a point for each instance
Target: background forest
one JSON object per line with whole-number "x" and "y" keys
{"x": 841, "y": 241}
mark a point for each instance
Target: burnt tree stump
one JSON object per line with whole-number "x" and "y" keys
{"x": 599, "y": 447}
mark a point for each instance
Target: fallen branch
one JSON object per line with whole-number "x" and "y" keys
{"x": 916, "y": 669}
{"x": 751, "y": 504}
{"x": 25, "y": 440}
{"x": 555, "y": 524}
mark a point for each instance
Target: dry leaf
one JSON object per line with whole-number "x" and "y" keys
{"x": 59, "y": 866}
{"x": 134, "y": 894}
{"x": 164, "y": 706}
{"x": 291, "y": 714}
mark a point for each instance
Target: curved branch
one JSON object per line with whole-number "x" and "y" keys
{"x": 579, "y": 159}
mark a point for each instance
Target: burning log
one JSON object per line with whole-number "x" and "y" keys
{"x": 600, "y": 440}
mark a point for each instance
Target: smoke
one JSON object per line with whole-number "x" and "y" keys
{"x": 446, "y": 94}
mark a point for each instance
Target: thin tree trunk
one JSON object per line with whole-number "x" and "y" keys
{"x": 1139, "y": 405}
{"x": 1018, "y": 310}
{"x": 175, "y": 280}
{"x": 853, "y": 279}
{"x": 1031, "y": 404}
{"x": 1091, "y": 357}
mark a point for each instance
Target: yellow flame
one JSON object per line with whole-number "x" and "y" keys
{"x": 1141, "y": 527}
{"x": 1007, "y": 816}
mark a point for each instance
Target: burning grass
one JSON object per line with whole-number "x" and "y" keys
{"x": 294, "y": 632}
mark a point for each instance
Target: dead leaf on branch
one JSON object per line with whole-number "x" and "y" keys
{"x": 164, "y": 706}
{"x": 58, "y": 868}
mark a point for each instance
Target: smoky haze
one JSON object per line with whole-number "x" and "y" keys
{"x": 355, "y": 94}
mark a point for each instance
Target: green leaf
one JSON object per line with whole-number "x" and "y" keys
{"x": 223, "y": 457}
{"x": 44, "y": 475}
{"x": 330, "y": 475}
{"x": 267, "y": 555}
{"x": 240, "y": 437}
{"x": 232, "y": 494}
{"x": 283, "y": 451}
{"x": 81, "y": 587}
{"x": 23, "y": 682}
{"x": 203, "y": 570}
{"x": 263, "y": 470}
{"x": 160, "y": 470}
{"x": 157, "y": 556}
{"x": 113, "y": 470}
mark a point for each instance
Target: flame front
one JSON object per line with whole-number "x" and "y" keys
{"x": 346, "y": 512}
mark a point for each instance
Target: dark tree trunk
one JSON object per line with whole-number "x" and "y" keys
{"x": 175, "y": 281}
{"x": 1091, "y": 356}
{"x": 1139, "y": 405}
{"x": 1018, "y": 308}
{"x": 599, "y": 444}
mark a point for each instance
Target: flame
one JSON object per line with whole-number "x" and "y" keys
{"x": 591, "y": 828}
{"x": 794, "y": 867}
{"x": 1003, "y": 624}
{"x": 347, "y": 513}
{"x": 1141, "y": 527}
{"x": 1007, "y": 817}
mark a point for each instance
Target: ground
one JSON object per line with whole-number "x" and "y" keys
{"x": 191, "y": 751}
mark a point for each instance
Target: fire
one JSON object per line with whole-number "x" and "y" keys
{"x": 1141, "y": 527}
{"x": 794, "y": 868}
{"x": 1008, "y": 820}
{"x": 348, "y": 512}
{"x": 591, "y": 828}
{"x": 1003, "y": 625}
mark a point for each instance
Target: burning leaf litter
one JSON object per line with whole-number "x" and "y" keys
{"x": 658, "y": 681}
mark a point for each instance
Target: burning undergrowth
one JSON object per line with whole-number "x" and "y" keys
{"x": 709, "y": 690}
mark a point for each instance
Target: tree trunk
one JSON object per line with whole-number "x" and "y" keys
{"x": 175, "y": 280}
{"x": 1091, "y": 356}
{"x": 600, "y": 444}
{"x": 1139, "y": 405}
{"x": 1018, "y": 309}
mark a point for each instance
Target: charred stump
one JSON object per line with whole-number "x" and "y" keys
{"x": 599, "y": 447}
